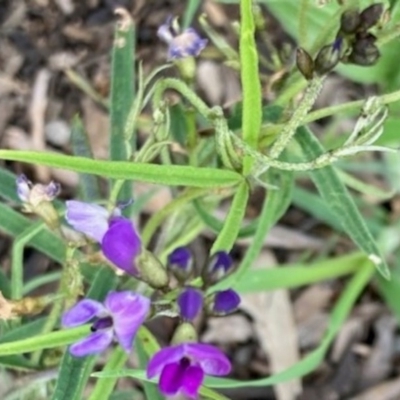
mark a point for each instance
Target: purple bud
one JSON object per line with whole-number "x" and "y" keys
{"x": 218, "y": 266}
{"x": 225, "y": 302}
{"x": 190, "y": 303}
{"x": 180, "y": 263}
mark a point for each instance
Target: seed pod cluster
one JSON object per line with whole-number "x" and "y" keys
{"x": 355, "y": 26}
{"x": 354, "y": 43}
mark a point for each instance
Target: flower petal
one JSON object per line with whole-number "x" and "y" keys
{"x": 23, "y": 187}
{"x": 82, "y": 312}
{"x": 167, "y": 355}
{"x": 212, "y": 360}
{"x": 129, "y": 310}
{"x": 171, "y": 378}
{"x": 192, "y": 380}
{"x": 92, "y": 344}
{"x": 121, "y": 244}
{"x": 190, "y": 303}
{"x": 90, "y": 219}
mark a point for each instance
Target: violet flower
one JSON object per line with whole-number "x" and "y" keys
{"x": 182, "y": 367}
{"x": 219, "y": 265}
{"x": 118, "y": 319}
{"x": 117, "y": 235}
{"x": 181, "y": 44}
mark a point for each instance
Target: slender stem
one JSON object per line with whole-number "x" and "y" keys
{"x": 352, "y": 105}
{"x": 298, "y": 116}
{"x": 17, "y": 267}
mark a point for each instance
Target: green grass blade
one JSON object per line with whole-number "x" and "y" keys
{"x": 173, "y": 175}
{"x": 74, "y": 372}
{"x": 339, "y": 200}
{"x": 296, "y": 275}
{"x": 8, "y": 188}
{"x": 122, "y": 94}
{"x": 251, "y": 88}
{"x": 190, "y": 11}
{"x": 89, "y": 185}
{"x": 45, "y": 341}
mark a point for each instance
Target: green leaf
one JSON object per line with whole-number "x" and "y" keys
{"x": 74, "y": 372}
{"x": 296, "y": 275}
{"x": 339, "y": 200}
{"x": 168, "y": 175}
{"x": 89, "y": 184}
{"x": 251, "y": 87}
{"x": 45, "y": 341}
{"x": 122, "y": 94}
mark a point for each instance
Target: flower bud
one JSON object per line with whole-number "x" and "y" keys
{"x": 190, "y": 303}
{"x": 304, "y": 63}
{"x": 370, "y": 16}
{"x": 180, "y": 264}
{"x": 151, "y": 270}
{"x": 349, "y": 21}
{"x": 184, "y": 333}
{"x": 218, "y": 266}
{"x": 225, "y": 302}
{"x": 328, "y": 57}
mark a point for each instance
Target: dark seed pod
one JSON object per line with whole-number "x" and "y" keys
{"x": 349, "y": 21}
{"x": 364, "y": 44}
{"x": 327, "y": 58}
{"x": 367, "y": 58}
{"x": 304, "y": 63}
{"x": 370, "y": 16}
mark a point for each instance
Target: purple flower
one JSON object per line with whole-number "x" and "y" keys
{"x": 225, "y": 302}
{"x": 190, "y": 303}
{"x": 182, "y": 367}
{"x": 118, "y": 319}
{"x": 117, "y": 236}
{"x": 34, "y": 194}
{"x": 185, "y": 44}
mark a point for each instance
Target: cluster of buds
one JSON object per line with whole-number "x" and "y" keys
{"x": 182, "y": 365}
{"x": 354, "y": 43}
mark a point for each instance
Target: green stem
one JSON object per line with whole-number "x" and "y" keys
{"x": 352, "y": 105}
{"x": 298, "y": 116}
{"x": 230, "y": 230}
{"x": 17, "y": 267}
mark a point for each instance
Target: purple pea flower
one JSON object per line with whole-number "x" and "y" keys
{"x": 117, "y": 235}
{"x": 182, "y": 367}
{"x": 219, "y": 265}
{"x": 181, "y": 44}
{"x": 118, "y": 319}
